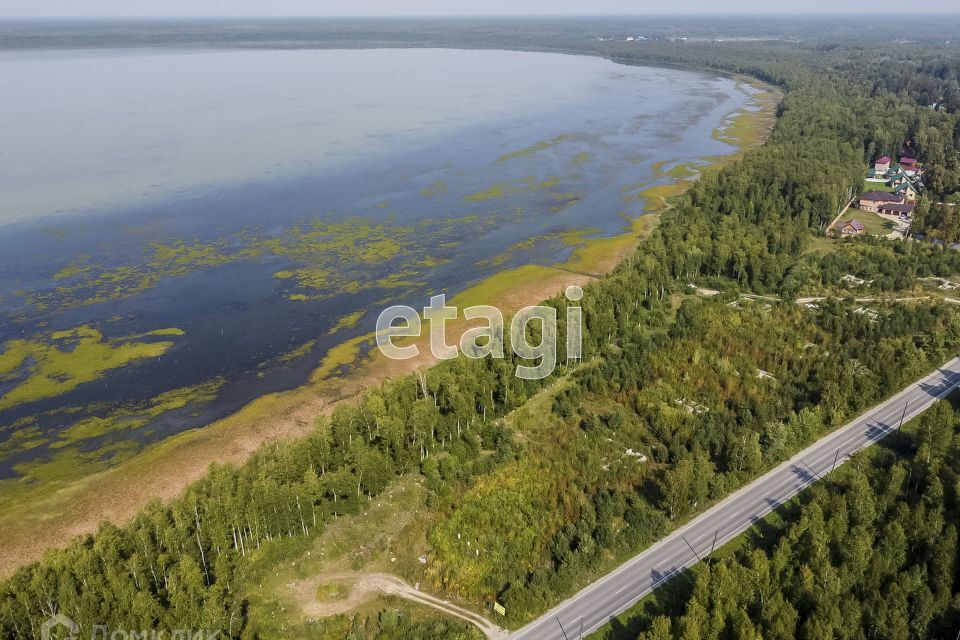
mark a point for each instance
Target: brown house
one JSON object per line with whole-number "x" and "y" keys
{"x": 873, "y": 200}
{"x": 882, "y": 165}
{"x": 852, "y": 228}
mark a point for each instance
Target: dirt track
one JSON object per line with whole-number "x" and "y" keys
{"x": 366, "y": 586}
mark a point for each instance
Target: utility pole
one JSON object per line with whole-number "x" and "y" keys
{"x": 714, "y": 545}
{"x": 905, "y": 405}
{"x": 811, "y": 469}
{"x": 835, "y": 459}
{"x": 562, "y": 630}
{"x": 692, "y": 549}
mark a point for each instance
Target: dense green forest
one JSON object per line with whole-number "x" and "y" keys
{"x": 712, "y": 389}
{"x": 870, "y": 553}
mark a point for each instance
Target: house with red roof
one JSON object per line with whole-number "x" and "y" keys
{"x": 882, "y": 165}
{"x": 909, "y": 165}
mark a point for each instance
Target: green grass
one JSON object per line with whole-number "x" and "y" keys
{"x": 821, "y": 245}
{"x": 873, "y": 224}
{"x": 876, "y": 186}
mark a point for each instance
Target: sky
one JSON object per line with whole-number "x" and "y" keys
{"x": 171, "y": 8}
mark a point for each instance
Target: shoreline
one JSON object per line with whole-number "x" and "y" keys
{"x": 163, "y": 471}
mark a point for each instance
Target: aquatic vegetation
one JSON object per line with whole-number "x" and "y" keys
{"x": 76, "y": 268}
{"x": 657, "y": 196}
{"x": 299, "y": 352}
{"x": 22, "y": 439}
{"x": 308, "y": 277}
{"x": 499, "y": 286}
{"x": 568, "y": 238}
{"x": 500, "y": 190}
{"x": 341, "y": 356}
{"x": 55, "y": 363}
{"x": 748, "y": 126}
{"x": 439, "y": 187}
{"x": 323, "y": 256}
{"x": 582, "y": 158}
{"x": 678, "y": 171}
{"x": 543, "y": 145}
{"x": 347, "y": 322}
{"x": 495, "y": 192}
{"x": 135, "y": 416}
{"x": 532, "y": 184}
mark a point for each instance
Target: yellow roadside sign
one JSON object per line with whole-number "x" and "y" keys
{"x": 499, "y": 608}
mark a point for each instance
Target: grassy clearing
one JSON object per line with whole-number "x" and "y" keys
{"x": 873, "y": 224}
{"x": 876, "y": 186}
{"x": 821, "y": 245}
{"x": 388, "y": 537}
{"x": 333, "y": 592}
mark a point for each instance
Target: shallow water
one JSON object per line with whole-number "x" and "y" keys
{"x": 253, "y": 203}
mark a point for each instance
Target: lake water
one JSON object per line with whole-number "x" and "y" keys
{"x": 182, "y": 231}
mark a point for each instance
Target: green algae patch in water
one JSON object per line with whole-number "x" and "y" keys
{"x": 439, "y": 187}
{"x": 347, "y": 322}
{"x": 582, "y": 158}
{"x": 537, "y": 147}
{"x": 495, "y": 192}
{"x": 137, "y": 416}
{"x": 52, "y": 364}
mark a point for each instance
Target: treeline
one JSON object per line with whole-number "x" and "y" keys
{"x": 873, "y": 553}
{"x": 938, "y": 221}
{"x": 391, "y": 624}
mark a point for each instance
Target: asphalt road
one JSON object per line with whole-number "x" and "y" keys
{"x": 616, "y": 592}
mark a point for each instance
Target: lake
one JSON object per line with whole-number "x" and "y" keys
{"x": 183, "y": 231}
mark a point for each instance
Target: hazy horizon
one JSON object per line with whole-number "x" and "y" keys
{"x": 67, "y": 9}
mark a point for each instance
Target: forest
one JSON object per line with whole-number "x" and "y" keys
{"x": 712, "y": 390}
